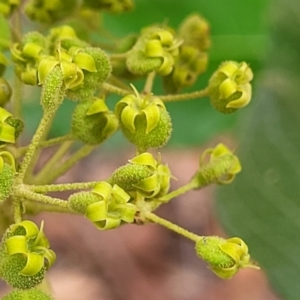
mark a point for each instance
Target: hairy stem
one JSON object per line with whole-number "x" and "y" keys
{"x": 156, "y": 219}
{"x": 182, "y": 190}
{"x": 186, "y": 96}
{"x": 149, "y": 83}
{"x": 115, "y": 90}
{"x": 63, "y": 187}
{"x": 21, "y": 191}
{"x": 51, "y": 163}
{"x": 56, "y": 141}
{"x": 52, "y": 96}
{"x": 69, "y": 163}
{"x": 33, "y": 146}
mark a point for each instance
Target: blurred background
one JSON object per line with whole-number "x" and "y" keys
{"x": 262, "y": 206}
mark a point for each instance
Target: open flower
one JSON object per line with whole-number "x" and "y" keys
{"x": 144, "y": 120}
{"x": 217, "y": 165}
{"x": 229, "y": 86}
{"x": 111, "y": 208}
{"x": 155, "y": 50}
{"x": 145, "y": 175}
{"x": 225, "y": 257}
{"x": 27, "y": 239}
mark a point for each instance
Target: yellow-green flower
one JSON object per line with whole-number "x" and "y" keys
{"x": 195, "y": 32}
{"x": 155, "y": 50}
{"x": 144, "y": 121}
{"x": 229, "y": 86}
{"x": 112, "y": 6}
{"x": 93, "y": 122}
{"x": 27, "y": 239}
{"x": 145, "y": 175}
{"x": 8, "y": 6}
{"x": 112, "y": 208}
{"x": 217, "y": 165}
{"x": 224, "y": 256}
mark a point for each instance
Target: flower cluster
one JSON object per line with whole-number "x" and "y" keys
{"x": 192, "y": 58}
{"x": 84, "y": 68}
{"x": 49, "y": 11}
{"x": 112, "y": 6}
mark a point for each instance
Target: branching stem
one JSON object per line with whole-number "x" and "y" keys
{"x": 158, "y": 220}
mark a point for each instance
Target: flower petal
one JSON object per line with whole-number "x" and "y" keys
{"x": 16, "y": 244}
{"x": 34, "y": 264}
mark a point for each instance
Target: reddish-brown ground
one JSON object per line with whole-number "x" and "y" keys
{"x": 142, "y": 262}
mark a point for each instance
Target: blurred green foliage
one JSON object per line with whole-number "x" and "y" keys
{"x": 238, "y": 30}
{"x": 262, "y": 205}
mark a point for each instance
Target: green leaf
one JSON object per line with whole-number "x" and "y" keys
{"x": 262, "y": 205}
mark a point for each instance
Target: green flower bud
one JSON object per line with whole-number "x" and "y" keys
{"x": 78, "y": 202}
{"x": 229, "y": 86}
{"x": 53, "y": 89}
{"x": 225, "y": 257}
{"x": 112, "y": 6}
{"x": 27, "y": 55}
{"x": 145, "y": 121}
{"x": 5, "y": 91}
{"x": 119, "y": 67}
{"x": 32, "y": 294}
{"x": 8, "y": 6}
{"x": 112, "y": 208}
{"x": 49, "y": 11}
{"x": 7, "y": 174}
{"x": 27, "y": 255}
{"x": 143, "y": 174}
{"x": 94, "y": 73}
{"x": 92, "y": 122}
{"x": 189, "y": 64}
{"x": 221, "y": 167}
{"x": 194, "y": 30}
{"x": 154, "y": 51}
{"x": 60, "y": 34}
{"x": 102, "y": 67}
